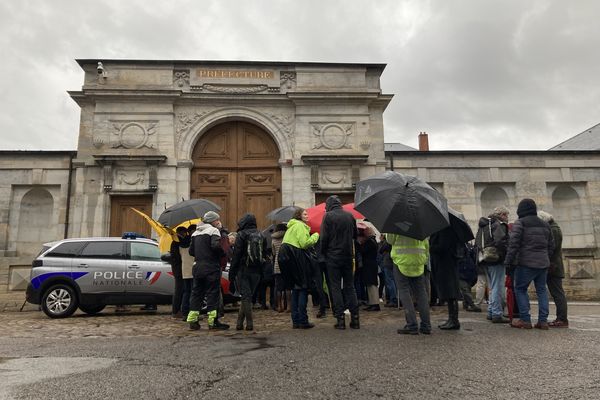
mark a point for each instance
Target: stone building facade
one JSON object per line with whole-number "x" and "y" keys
{"x": 564, "y": 183}
{"x": 252, "y": 136}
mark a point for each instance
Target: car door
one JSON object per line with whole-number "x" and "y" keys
{"x": 106, "y": 267}
{"x": 144, "y": 261}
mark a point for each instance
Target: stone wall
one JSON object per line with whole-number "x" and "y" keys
{"x": 33, "y": 194}
{"x": 565, "y": 184}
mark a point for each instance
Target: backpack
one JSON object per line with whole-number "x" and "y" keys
{"x": 254, "y": 250}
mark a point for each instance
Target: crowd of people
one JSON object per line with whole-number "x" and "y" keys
{"x": 346, "y": 265}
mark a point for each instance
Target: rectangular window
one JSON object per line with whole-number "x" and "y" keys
{"x": 144, "y": 251}
{"x": 66, "y": 250}
{"x": 106, "y": 250}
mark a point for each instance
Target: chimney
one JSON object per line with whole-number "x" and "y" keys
{"x": 423, "y": 141}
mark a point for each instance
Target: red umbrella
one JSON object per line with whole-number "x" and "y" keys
{"x": 316, "y": 213}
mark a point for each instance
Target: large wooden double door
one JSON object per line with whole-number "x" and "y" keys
{"x": 236, "y": 166}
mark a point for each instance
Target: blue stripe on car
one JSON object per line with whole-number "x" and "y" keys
{"x": 38, "y": 280}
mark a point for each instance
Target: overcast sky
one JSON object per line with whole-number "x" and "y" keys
{"x": 478, "y": 74}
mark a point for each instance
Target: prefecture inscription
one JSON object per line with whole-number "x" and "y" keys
{"x": 234, "y": 74}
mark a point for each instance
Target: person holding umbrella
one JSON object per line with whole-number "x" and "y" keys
{"x": 207, "y": 251}
{"x": 410, "y": 256}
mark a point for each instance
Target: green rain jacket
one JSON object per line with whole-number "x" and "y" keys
{"x": 409, "y": 255}
{"x": 298, "y": 235}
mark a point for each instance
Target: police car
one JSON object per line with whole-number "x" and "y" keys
{"x": 91, "y": 273}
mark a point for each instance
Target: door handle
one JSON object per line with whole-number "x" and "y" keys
{"x": 82, "y": 266}
{"x": 134, "y": 266}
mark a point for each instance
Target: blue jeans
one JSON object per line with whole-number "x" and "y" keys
{"x": 391, "y": 294}
{"x": 299, "y": 300}
{"x": 496, "y": 276}
{"x": 523, "y": 277}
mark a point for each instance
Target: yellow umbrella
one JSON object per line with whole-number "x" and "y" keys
{"x": 166, "y": 235}
{"x": 186, "y": 224}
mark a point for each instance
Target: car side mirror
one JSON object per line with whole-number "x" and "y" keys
{"x": 166, "y": 257}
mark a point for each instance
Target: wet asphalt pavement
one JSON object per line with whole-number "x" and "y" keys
{"x": 142, "y": 356}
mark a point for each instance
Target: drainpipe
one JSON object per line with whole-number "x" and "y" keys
{"x": 69, "y": 184}
{"x": 391, "y": 161}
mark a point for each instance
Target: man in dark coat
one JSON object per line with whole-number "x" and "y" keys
{"x": 182, "y": 236}
{"x": 529, "y": 250}
{"x": 207, "y": 252}
{"x": 556, "y": 273}
{"x": 493, "y": 233}
{"x": 444, "y": 270}
{"x": 249, "y": 274}
{"x": 338, "y": 233}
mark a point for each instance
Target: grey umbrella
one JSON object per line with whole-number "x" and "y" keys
{"x": 186, "y": 210}
{"x": 402, "y": 204}
{"x": 460, "y": 226}
{"x": 282, "y": 214}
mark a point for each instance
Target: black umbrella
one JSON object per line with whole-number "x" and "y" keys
{"x": 282, "y": 214}
{"x": 186, "y": 210}
{"x": 402, "y": 204}
{"x": 460, "y": 226}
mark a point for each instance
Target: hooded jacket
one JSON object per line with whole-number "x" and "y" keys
{"x": 298, "y": 235}
{"x": 338, "y": 232}
{"x": 246, "y": 227}
{"x": 531, "y": 243}
{"x": 206, "y": 249}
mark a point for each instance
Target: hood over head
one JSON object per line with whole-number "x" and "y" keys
{"x": 248, "y": 221}
{"x": 332, "y": 203}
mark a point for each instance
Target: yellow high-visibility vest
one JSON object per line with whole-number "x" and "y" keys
{"x": 408, "y": 254}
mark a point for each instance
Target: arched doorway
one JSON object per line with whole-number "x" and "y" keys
{"x": 236, "y": 166}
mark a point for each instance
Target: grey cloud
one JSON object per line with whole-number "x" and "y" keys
{"x": 475, "y": 75}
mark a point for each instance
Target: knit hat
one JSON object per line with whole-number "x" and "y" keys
{"x": 526, "y": 207}
{"x": 210, "y": 217}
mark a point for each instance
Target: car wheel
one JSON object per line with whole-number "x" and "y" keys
{"x": 93, "y": 309}
{"x": 59, "y": 301}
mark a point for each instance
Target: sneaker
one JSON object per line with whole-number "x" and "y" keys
{"x": 557, "y": 323}
{"x": 407, "y": 331}
{"x": 500, "y": 320}
{"x": 194, "y": 326}
{"x": 517, "y": 323}
{"x": 541, "y": 325}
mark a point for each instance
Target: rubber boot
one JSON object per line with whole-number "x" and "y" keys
{"x": 354, "y": 321}
{"x": 248, "y": 312}
{"x": 341, "y": 323}
{"x": 453, "y": 324}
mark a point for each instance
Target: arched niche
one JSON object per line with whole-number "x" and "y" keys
{"x": 492, "y": 197}
{"x": 35, "y": 221}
